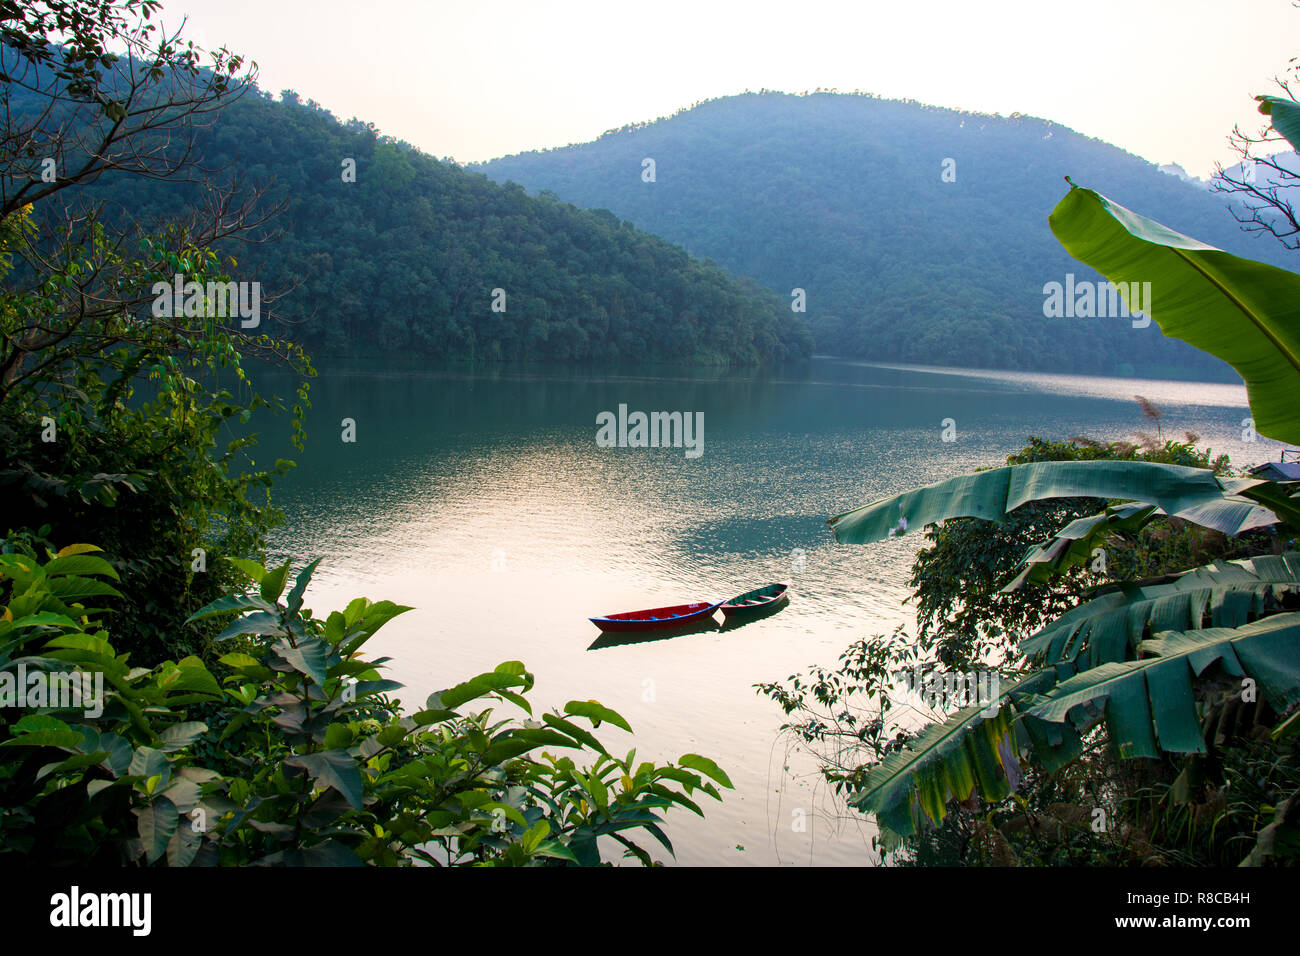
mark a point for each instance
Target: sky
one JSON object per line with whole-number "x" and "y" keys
{"x": 476, "y": 79}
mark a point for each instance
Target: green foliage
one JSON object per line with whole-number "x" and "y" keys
{"x": 1137, "y": 662}
{"x": 1241, "y": 311}
{"x": 1125, "y": 663}
{"x": 292, "y": 752}
{"x": 135, "y": 432}
{"x": 843, "y": 195}
{"x": 1193, "y": 494}
{"x": 1043, "y": 728}
{"x": 844, "y": 712}
{"x": 963, "y": 605}
{"x": 1285, "y": 116}
{"x": 265, "y": 736}
{"x": 1109, "y": 626}
{"x": 406, "y": 257}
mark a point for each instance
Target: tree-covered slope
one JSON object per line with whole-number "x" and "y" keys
{"x": 407, "y": 257}
{"x": 844, "y": 196}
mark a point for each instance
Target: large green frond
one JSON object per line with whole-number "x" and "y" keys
{"x": 1244, "y": 312}
{"x": 1194, "y": 494}
{"x": 1110, "y": 626}
{"x": 1149, "y": 704}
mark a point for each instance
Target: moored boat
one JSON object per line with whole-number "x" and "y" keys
{"x": 657, "y": 617}
{"x": 765, "y": 598}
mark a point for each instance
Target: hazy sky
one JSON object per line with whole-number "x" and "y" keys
{"x": 476, "y": 79}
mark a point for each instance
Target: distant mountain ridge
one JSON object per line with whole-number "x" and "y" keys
{"x": 389, "y": 250}
{"x": 918, "y": 233}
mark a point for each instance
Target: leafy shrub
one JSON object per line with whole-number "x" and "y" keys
{"x": 295, "y": 754}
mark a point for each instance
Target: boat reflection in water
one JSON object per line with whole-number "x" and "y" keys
{"x": 620, "y": 638}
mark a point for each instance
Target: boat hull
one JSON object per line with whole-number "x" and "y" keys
{"x": 757, "y": 601}
{"x": 657, "y": 618}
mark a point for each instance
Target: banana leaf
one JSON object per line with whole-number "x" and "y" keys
{"x": 1244, "y": 312}
{"x": 1075, "y": 543}
{"x": 1195, "y": 494}
{"x": 947, "y": 762}
{"x": 1285, "y": 115}
{"x": 1112, "y": 625}
{"x": 1149, "y": 704}
{"x": 976, "y": 749}
{"x": 1149, "y": 707}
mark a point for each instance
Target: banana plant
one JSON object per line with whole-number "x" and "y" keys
{"x": 1148, "y": 704}
{"x": 1229, "y": 505}
{"x": 1077, "y": 543}
{"x": 1112, "y": 625}
{"x": 1244, "y": 312}
{"x": 1101, "y": 665}
{"x": 1285, "y": 115}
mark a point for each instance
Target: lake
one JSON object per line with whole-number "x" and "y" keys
{"x": 482, "y": 499}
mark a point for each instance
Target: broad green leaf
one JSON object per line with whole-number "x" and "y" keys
{"x": 74, "y": 588}
{"x": 30, "y": 723}
{"x": 77, "y": 549}
{"x": 559, "y": 851}
{"x": 188, "y": 675}
{"x": 307, "y": 658}
{"x": 367, "y": 618}
{"x": 511, "y": 813}
{"x": 157, "y": 826}
{"x": 707, "y": 767}
{"x": 1177, "y": 490}
{"x": 1075, "y": 544}
{"x": 262, "y": 623}
{"x": 1285, "y": 115}
{"x": 1150, "y": 704}
{"x": 948, "y": 761}
{"x": 1110, "y": 626}
{"x": 78, "y": 564}
{"x": 336, "y": 769}
{"x": 66, "y": 739}
{"x": 338, "y": 736}
{"x": 147, "y": 762}
{"x": 184, "y": 845}
{"x": 272, "y": 583}
{"x": 595, "y": 712}
{"x": 476, "y": 687}
{"x": 245, "y": 664}
{"x": 535, "y": 835}
{"x": 234, "y": 602}
{"x": 44, "y": 619}
{"x": 43, "y": 730}
{"x": 179, "y": 736}
{"x": 93, "y": 643}
{"x": 1244, "y": 312}
{"x": 250, "y": 568}
{"x": 294, "y": 601}
{"x": 573, "y": 730}
{"x": 75, "y": 762}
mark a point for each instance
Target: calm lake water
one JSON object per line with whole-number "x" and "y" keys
{"x": 483, "y": 500}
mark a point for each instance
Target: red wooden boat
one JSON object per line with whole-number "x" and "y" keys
{"x": 656, "y": 617}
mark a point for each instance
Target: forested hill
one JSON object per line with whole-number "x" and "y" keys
{"x": 844, "y": 196}
{"x": 407, "y": 257}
